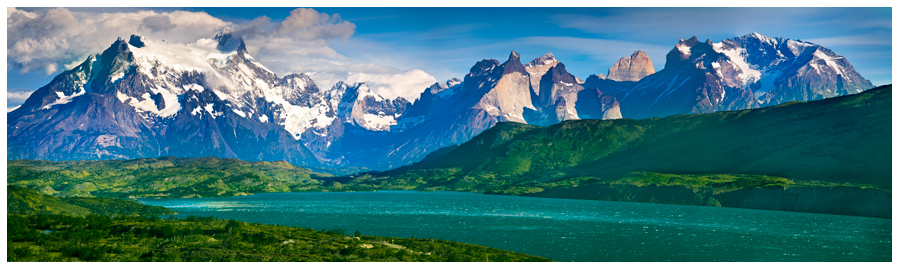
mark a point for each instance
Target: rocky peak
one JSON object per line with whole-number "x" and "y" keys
{"x": 513, "y": 55}
{"x": 632, "y": 68}
{"x": 435, "y": 88}
{"x": 113, "y": 60}
{"x": 483, "y": 67}
{"x": 513, "y": 64}
{"x": 453, "y": 82}
{"x": 558, "y": 74}
{"x": 692, "y": 52}
{"x": 228, "y": 42}
{"x": 117, "y": 51}
{"x": 538, "y": 67}
{"x": 136, "y": 41}
{"x": 546, "y": 59}
{"x": 298, "y": 89}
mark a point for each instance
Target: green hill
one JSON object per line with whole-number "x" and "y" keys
{"x": 27, "y": 201}
{"x": 62, "y": 238}
{"x": 160, "y": 177}
{"x": 835, "y": 143}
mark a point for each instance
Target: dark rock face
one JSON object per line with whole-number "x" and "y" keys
{"x": 513, "y": 64}
{"x": 595, "y": 104}
{"x": 136, "y": 41}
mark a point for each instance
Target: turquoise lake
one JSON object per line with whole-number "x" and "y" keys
{"x": 566, "y": 230}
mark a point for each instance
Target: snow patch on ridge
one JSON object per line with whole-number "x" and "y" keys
{"x": 738, "y": 57}
{"x": 684, "y": 49}
{"x": 63, "y": 98}
{"x": 830, "y": 62}
{"x": 378, "y": 122}
{"x": 193, "y": 86}
{"x": 297, "y": 119}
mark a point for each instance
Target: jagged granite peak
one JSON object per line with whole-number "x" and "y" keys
{"x": 546, "y": 59}
{"x": 299, "y": 89}
{"x": 483, "y": 68}
{"x": 513, "y": 55}
{"x": 537, "y": 68}
{"x": 514, "y": 64}
{"x": 453, "y": 82}
{"x": 681, "y": 52}
{"x": 633, "y": 68}
{"x": 558, "y": 74}
{"x": 113, "y": 61}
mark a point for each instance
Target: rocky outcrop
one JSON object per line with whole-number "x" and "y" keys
{"x": 633, "y": 68}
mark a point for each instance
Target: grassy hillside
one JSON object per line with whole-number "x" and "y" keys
{"x": 160, "y": 177}
{"x": 27, "y": 201}
{"x": 837, "y": 142}
{"x": 142, "y": 239}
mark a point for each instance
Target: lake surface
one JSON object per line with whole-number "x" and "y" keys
{"x": 566, "y": 230}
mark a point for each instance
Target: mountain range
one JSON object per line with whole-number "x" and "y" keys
{"x": 143, "y": 98}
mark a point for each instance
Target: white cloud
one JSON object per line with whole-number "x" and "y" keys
{"x": 407, "y": 84}
{"x": 386, "y": 81}
{"x": 308, "y": 24}
{"x": 16, "y": 98}
{"x": 46, "y": 39}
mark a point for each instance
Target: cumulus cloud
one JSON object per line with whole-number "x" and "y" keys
{"x": 44, "y": 40}
{"x": 15, "y": 97}
{"x": 49, "y": 39}
{"x": 158, "y": 23}
{"x": 407, "y": 84}
{"x": 306, "y": 24}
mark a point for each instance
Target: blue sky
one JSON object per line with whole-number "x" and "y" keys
{"x": 387, "y": 44}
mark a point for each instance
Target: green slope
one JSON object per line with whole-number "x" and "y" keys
{"x": 160, "y": 177}
{"x": 837, "y": 142}
{"x": 27, "y": 201}
{"x": 142, "y": 239}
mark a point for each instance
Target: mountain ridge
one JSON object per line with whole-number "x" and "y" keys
{"x": 141, "y": 98}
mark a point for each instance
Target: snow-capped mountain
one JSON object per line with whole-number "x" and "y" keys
{"x": 200, "y": 96}
{"x": 740, "y": 73}
{"x": 144, "y": 98}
